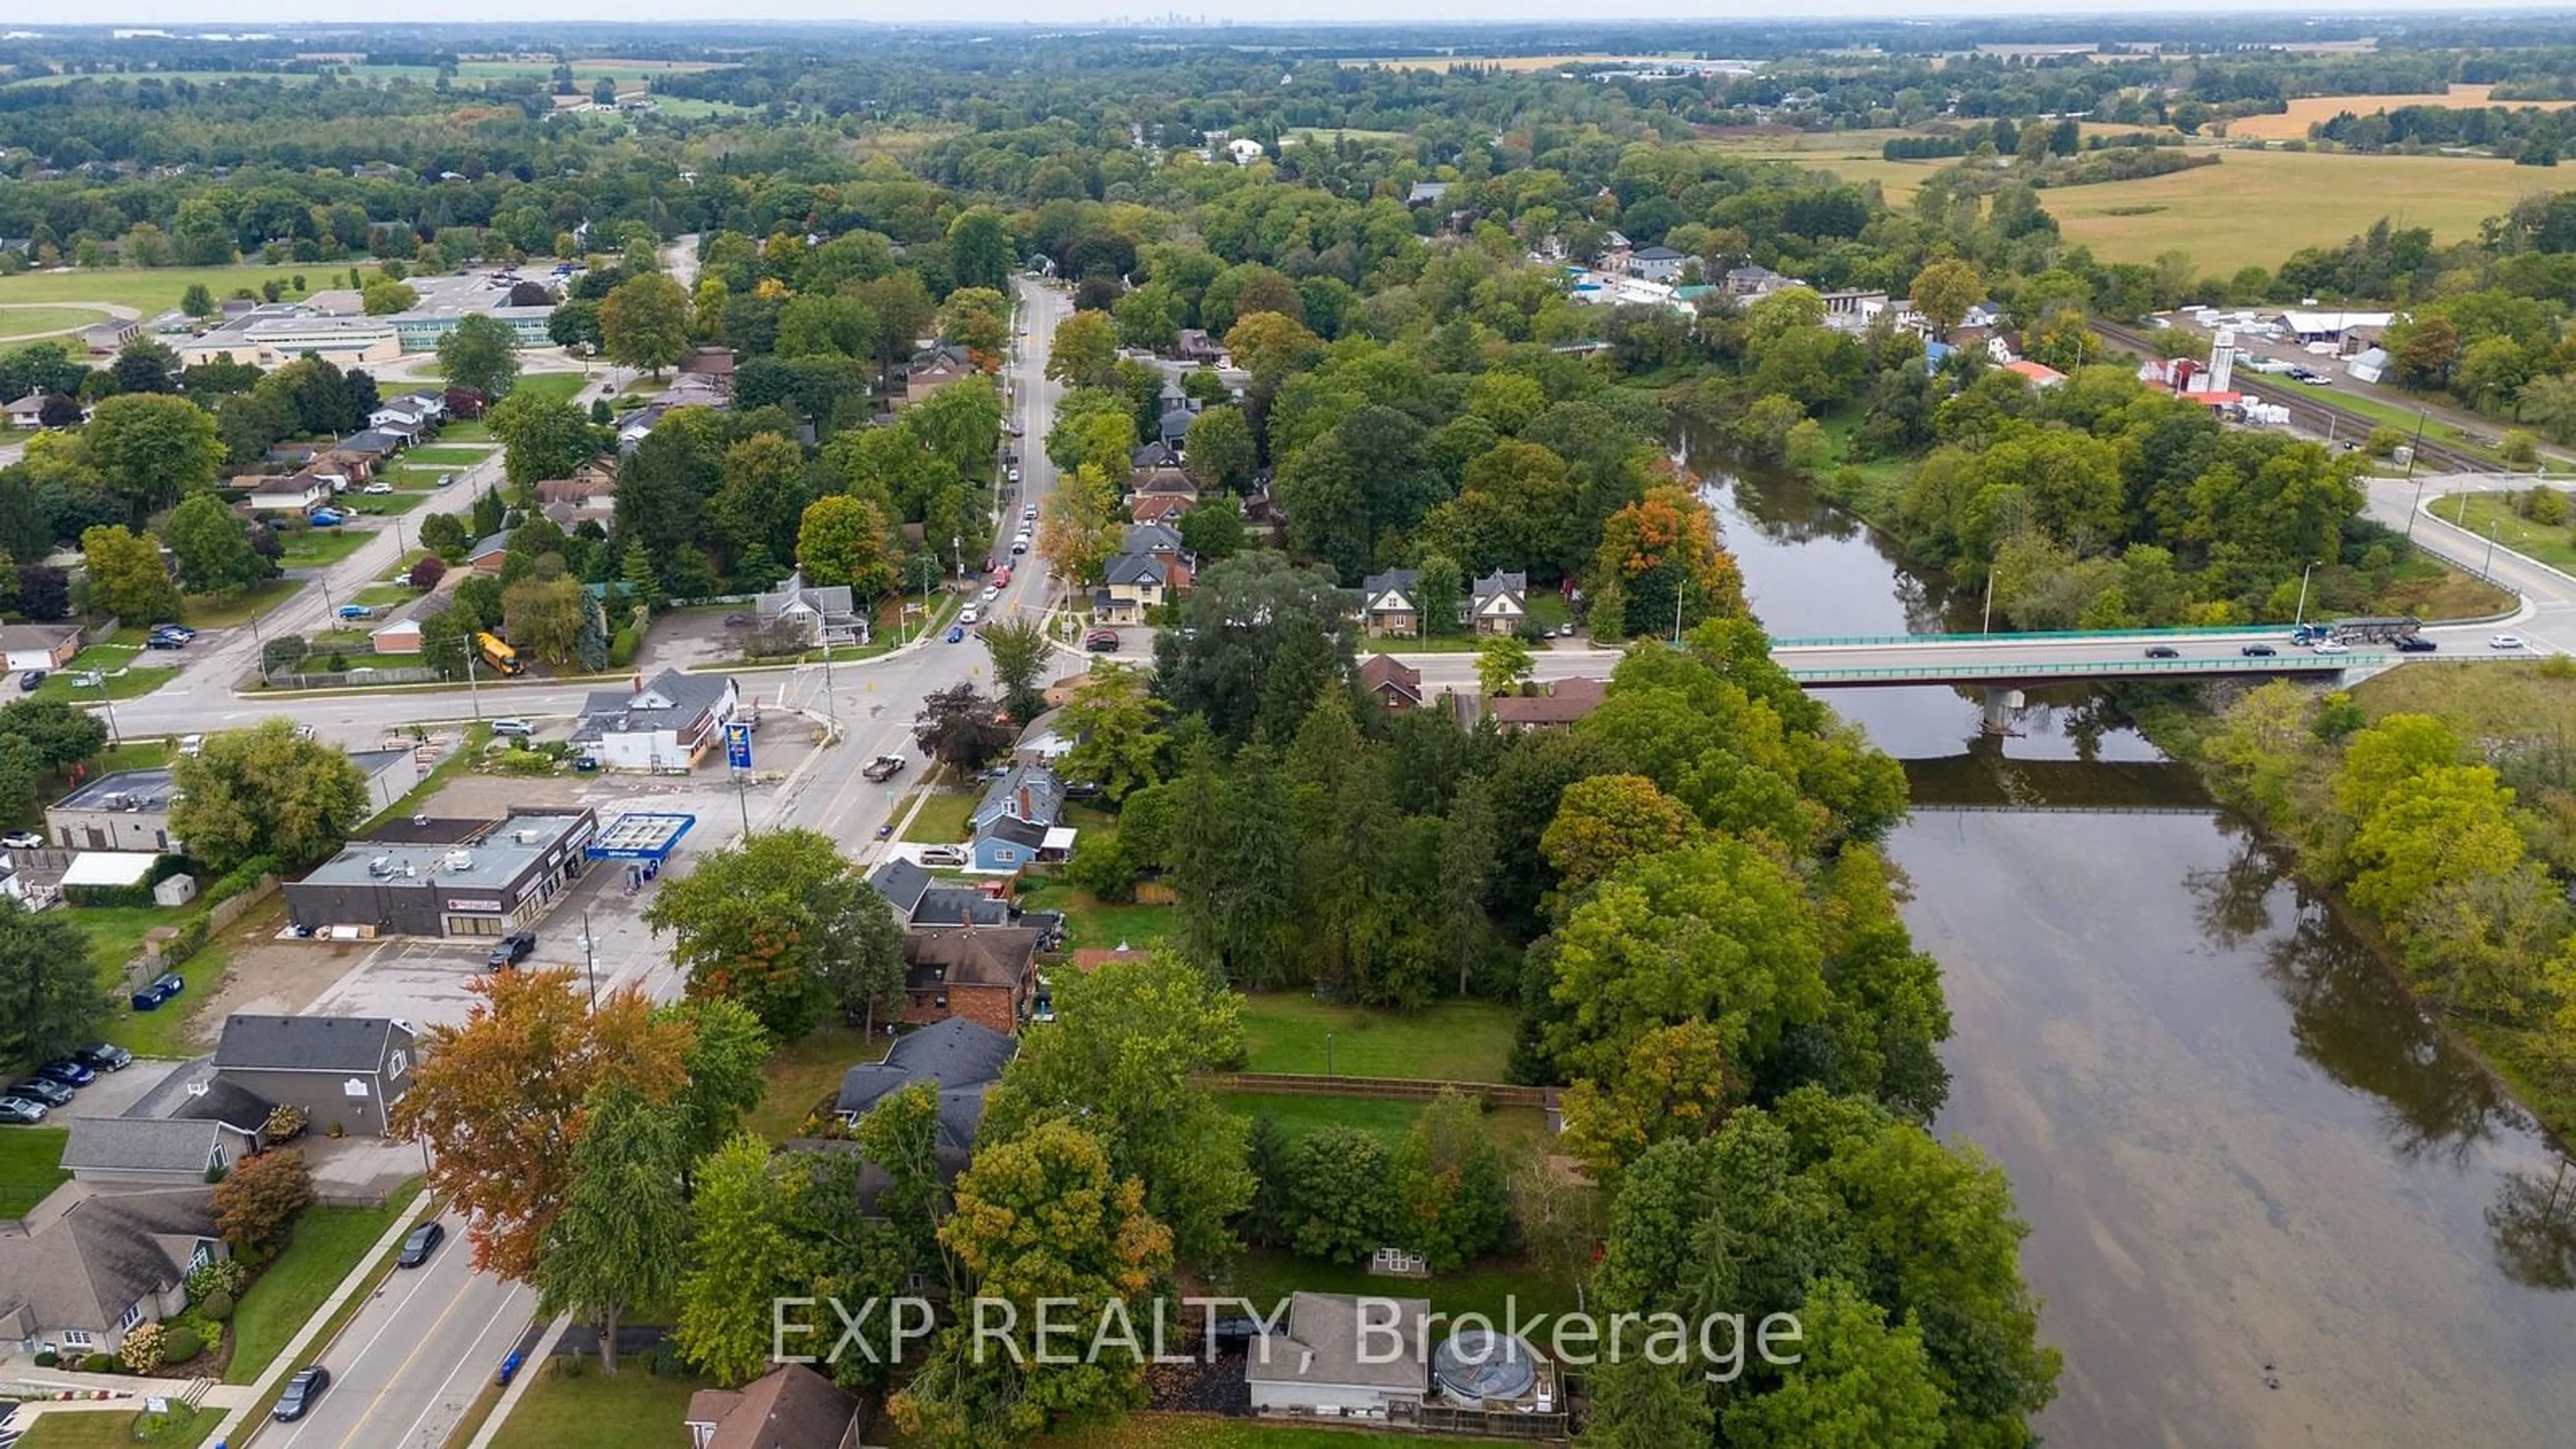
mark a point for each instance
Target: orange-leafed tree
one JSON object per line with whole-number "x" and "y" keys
{"x": 1665, "y": 544}
{"x": 501, "y": 1098}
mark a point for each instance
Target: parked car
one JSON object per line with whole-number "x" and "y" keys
{"x": 182, "y": 630}
{"x": 377, "y": 489}
{"x": 2163, "y": 651}
{"x": 2416, "y": 644}
{"x": 1015, "y": 475}
{"x": 68, "y": 1072}
{"x": 1101, "y": 641}
{"x": 416, "y": 1248}
{"x": 991, "y": 592}
{"x": 21, "y": 1112}
{"x": 355, "y": 611}
{"x": 37, "y": 1089}
{"x": 956, "y": 632}
{"x": 511, "y": 949}
{"x": 192, "y": 745}
{"x": 22, "y": 840}
{"x": 943, "y": 855}
{"x": 160, "y": 989}
{"x": 512, "y": 729}
{"x": 165, "y": 641}
{"x": 1029, "y": 514}
{"x": 103, "y": 1056}
{"x": 31, "y": 681}
{"x": 1020, "y": 544}
{"x": 302, "y": 1391}
{"x": 326, "y": 518}
{"x": 2505, "y": 641}
{"x": 882, "y": 768}
{"x": 2258, "y": 651}
{"x": 967, "y": 615}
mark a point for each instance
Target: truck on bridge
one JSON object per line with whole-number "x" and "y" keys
{"x": 2360, "y": 631}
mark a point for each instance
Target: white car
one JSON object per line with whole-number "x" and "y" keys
{"x": 2505, "y": 641}
{"x": 1020, "y": 544}
{"x": 2333, "y": 646}
{"x": 1015, "y": 475}
{"x": 378, "y": 489}
{"x": 967, "y": 615}
{"x": 1030, "y": 513}
{"x": 21, "y": 840}
{"x": 992, "y": 592}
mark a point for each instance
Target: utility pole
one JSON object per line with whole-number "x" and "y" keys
{"x": 471, "y": 692}
{"x": 2302, "y": 616}
{"x": 589, "y": 963}
{"x": 105, "y": 707}
{"x": 1988, "y": 626}
{"x": 2488, "y": 572}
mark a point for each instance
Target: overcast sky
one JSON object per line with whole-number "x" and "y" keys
{"x": 234, "y": 15}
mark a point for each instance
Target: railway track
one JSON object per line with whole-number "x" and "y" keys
{"x": 2314, "y": 415}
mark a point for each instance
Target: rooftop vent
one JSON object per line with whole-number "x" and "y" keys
{"x": 457, "y": 860}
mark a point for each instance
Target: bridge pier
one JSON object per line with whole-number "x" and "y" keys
{"x": 2000, "y": 703}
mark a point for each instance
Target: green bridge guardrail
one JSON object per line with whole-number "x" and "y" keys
{"x": 1970, "y": 672}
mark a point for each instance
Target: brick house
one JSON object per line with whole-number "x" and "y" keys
{"x": 984, "y": 974}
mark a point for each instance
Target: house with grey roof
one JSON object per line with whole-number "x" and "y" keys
{"x": 165, "y": 1152}
{"x": 1155, "y": 538}
{"x": 90, "y": 1265}
{"x": 1014, "y": 825}
{"x": 1499, "y": 602}
{"x": 959, "y": 1059}
{"x": 984, "y": 974}
{"x": 342, "y": 1072}
{"x": 665, "y": 724}
{"x": 819, "y": 614}
{"x": 1656, "y": 263}
{"x": 1317, "y": 1367}
{"x": 918, "y": 899}
{"x": 1391, "y": 603}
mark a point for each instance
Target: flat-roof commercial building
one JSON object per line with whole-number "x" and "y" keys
{"x": 485, "y": 879}
{"x": 124, "y": 810}
{"x": 274, "y": 340}
{"x": 418, "y": 330}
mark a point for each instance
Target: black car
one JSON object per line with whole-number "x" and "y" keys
{"x": 100, "y": 1056}
{"x": 38, "y": 1089}
{"x": 301, "y": 1391}
{"x": 2258, "y": 651}
{"x": 511, "y": 949}
{"x": 165, "y": 641}
{"x": 416, "y": 1248}
{"x": 2416, "y": 644}
{"x": 2163, "y": 651}
{"x": 31, "y": 681}
{"x": 68, "y": 1072}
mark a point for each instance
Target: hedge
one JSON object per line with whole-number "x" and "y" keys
{"x": 240, "y": 878}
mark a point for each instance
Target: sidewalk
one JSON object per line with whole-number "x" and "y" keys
{"x": 295, "y": 1355}
{"x": 537, "y": 1359}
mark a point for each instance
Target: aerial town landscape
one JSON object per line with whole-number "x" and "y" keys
{"x": 1275, "y": 731}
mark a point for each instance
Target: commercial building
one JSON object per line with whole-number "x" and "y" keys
{"x": 445, "y": 877}
{"x": 126, "y": 810}
{"x": 274, "y": 338}
{"x": 344, "y": 1073}
{"x": 663, "y": 724}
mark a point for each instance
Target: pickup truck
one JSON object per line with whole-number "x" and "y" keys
{"x": 883, "y": 768}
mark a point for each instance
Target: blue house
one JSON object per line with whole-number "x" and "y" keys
{"x": 1015, "y": 823}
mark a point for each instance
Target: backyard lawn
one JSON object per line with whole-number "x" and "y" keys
{"x": 1298, "y": 1114}
{"x": 30, "y": 1166}
{"x": 1492, "y": 1287}
{"x": 117, "y": 1429}
{"x": 803, "y": 1073}
{"x": 596, "y": 1411}
{"x": 1454, "y": 1041}
{"x": 942, "y": 820}
{"x": 553, "y": 385}
{"x": 328, "y": 1243}
{"x": 1093, "y": 924}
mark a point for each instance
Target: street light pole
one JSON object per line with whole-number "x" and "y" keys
{"x": 471, "y": 692}
{"x": 107, "y": 708}
{"x": 2302, "y": 615}
{"x": 2488, "y": 572}
{"x": 589, "y": 963}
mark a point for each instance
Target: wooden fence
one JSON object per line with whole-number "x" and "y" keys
{"x": 1410, "y": 1089}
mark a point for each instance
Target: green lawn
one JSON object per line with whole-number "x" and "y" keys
{"x": 30, "y": 1166}
{"x": 441, "y": 453}
{"x": 2402, "y": 418}
{"x": 1193, "y": 1431}
{"x": 328, "y": 1244}
{"x": 1090, "y": 923}
{"x": 131, "y": 756}
{"x": 379, "y": 595}
{"x": 383, "y": 505}
{"x": 210, "y": 611}
{"x": 115, "y": 934}
{"x": 158, "y": 289}
{"x": 316, "y": 547}
{"x": 32, "y": 322}
{"x": 2555, "y": 546}
{"x": 1454, "y": 1041}
{"x": 553, "y": 385}
{"x": 138, "y": 677}
{"x": 1298, "y": 1115}
{"x": 595, "y": 1411}
{"x": 803, "y": 1073}
{"x": 942, "y": 820}
{"x": 117, "y": 1429}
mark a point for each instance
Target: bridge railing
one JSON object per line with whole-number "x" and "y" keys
{"x": 2085, "y": 668}
{"x": 2018, "y": 636}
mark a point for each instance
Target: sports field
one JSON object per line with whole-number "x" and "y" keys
{"x": 16, "y": 322}
{"x": 148, "y": 290}
{"x": 2308, "y": 111}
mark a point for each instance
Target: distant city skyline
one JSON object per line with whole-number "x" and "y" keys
{"x": 230, "y": 16}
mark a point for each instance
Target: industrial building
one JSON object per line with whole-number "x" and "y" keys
{"x": 428, "y": 877}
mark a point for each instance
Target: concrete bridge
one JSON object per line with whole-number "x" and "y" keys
{"x": 2004, "y": 664}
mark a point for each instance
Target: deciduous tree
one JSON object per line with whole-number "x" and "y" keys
{"x": 50, "y": 1001}
{"x": 743, "y": 1256}
{"x": 265, "y": 791}
{"x": 257, "y": 1202}
{"x": 151, "y": 449}
{"x": 213, "y": 553}
{"x": 610, "y": 1246}
{"x": 1112, "y": 719}
{"x": 127, "y": 575}
{"x": 480, "y": 352}
{"x": 783, "y": 924}
{"x": 961, "y": 728}
{"x": 841, "y": 539}
{"x": 644, "y": 323}
{"x": 1085, "y": 351}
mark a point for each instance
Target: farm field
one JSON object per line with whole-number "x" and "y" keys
{"x": 148, "y": 290}
{"x": 2308, "y": 111}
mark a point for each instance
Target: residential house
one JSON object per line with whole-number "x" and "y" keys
{"x": 39, "y": 646}
{"x": 958, "y": 1058}
{"x": 415, "y": 410}
{"x": 1396, "y": 685}
{"x": 662, "y": 725}
{"x": 1179, "y": 411}
{"x": 1153, "y": 538}
{"x": 294, "y": 493}
{"x": 918, "y": 899}
{"x": 27, "y": 412}
{"x": 1614, "y": 253}
{"x": 2038, "y": 374}
{"x": 1196, "y": 347}
{"x": 1015, "y": 823}
{"x": 933, "y": 368}
{"x": 166, "y": 1152}
{"x": 343, "y": 1072}
{"x": 402, "y": 635}
{"x": 1168, "y": 480}
{"x": 122, "y": 810}
{"x": 1317, "y": 1367}
{"x": 1500, "y": 603}
{"x": 488, "y": 553}
{"x": 1157, "y": 454}
{"x": 1159, "y": 507}
{"x": 713, "y": 363}
{"x": 1565, "y": 701}
{"x": 1656, "y": 264}
{"x": 789, "y": 1407}
{"x": 1391, "y": 603}
{"x": 1132, "y": 583}
{"x": 89, "y": 1265}
{"x": 372, "y": 444}
{"x": 984, "y": 974}
{"x": 816, "y": 614}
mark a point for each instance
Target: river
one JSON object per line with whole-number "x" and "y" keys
{"x": 2269, "y": 1204}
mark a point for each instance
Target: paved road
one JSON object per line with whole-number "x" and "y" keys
{"x": 2548, "y": 615}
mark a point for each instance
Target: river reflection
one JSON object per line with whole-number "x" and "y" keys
{"x": 2271, "y": 1203}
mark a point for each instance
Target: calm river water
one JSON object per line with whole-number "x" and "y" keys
{"x": 2269, "y": 1204}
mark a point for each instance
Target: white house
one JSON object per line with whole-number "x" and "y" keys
{"x": 1316, "y": 1367}
{"x": 291, "y": 494}
{"x": 1244, "y": 150}
{"x": 665, "y": 724}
